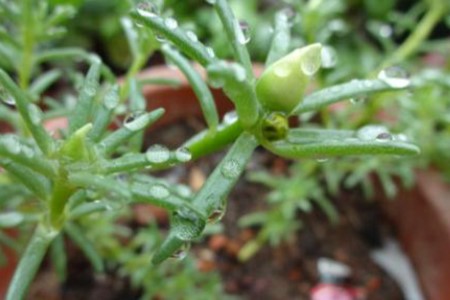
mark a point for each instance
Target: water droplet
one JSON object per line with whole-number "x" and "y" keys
{"x": 366, "y": 84}
{"x": 160, "y": 38}
{"x": 159, "y": 191}
{"x": 6, "y": 97}
{"x": 90, "y": 87}
{"x": 192, "y": 36}
{"x": 395, "y": 77}
{"x": 239, "y": 72}
{"x": 329, "y": 57}
{"x": 231, "y": 169}
{"x": 181, "y": 253}
{"x": 358, "y": 100}
{"x": 171, "y": 23}
{"x": 35, "y": 114}
{"x": 111, "y": 99}
{"x": 321, "y": 159}
{"x": 384, "y": 137}
{"x": 385, "y": 31}
{"x": 183, "y": 154}
{"x": 243, "y": 32}
{"x": 12, "y": 144}
{"x": 212, "y": 2}
{"x": 290, "y": 14}
{"x": 373, "y": 132}
{"x": 184, "y": 190}
{"x": 311, "y": 61}
{"x": 157, "y": 154}
{"x": 147, "y": 9}
{"x": 230, "y": 117}
{"x": 210, "y": 52}
{"x": 135, "y": 121}
{"x": 217, "y": 214}
{"x": 401, "y": 137}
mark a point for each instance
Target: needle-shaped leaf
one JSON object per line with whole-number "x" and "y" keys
{"x": 340, "y": 92}
{"x": 281, "y": 38}
{"x": 104, "y": 113}
{"x": 200, "y": 88}
{"x": 13, "y": 149}
{"x": 130, "y": 128}
{"x": 178, "y": 36}
{"x": 320, "y": 149}
{"x": 35, "y": 182}
{"x": 29, "y": 112}
{"x": 83, "y": 108}
{"x": 43, "y": 82}
{"x": 186, "y": 226}
{"x": 235, "y": 35}
{"x": 239, "y": 89}
{"x": 78, "y": 236}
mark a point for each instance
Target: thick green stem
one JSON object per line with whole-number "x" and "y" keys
{"x": 30, "y": 261}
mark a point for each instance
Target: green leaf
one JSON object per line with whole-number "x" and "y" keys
{"x": 200, "y": 88}
{"x": 29, "y": 262}
{"x": 330, "y": 148}
{"x": 10, "y": 219}
{"x": 130, "y": 128}
{"x": 83, "y": 109}
{"x": 32, "y": 121}
{"x": 281, "y": 38}
{"x": 235, "y": 34}
{"x": 77, "y": 235}
{"x": 176, "y": 35}
{"x": 342, "y": 92}
{"x": 238, "y": 87}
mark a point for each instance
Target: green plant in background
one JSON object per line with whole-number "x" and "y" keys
{"x": 421, "y": 116}
{"x": 62, "y": 182}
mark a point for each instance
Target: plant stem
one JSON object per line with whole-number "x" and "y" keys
{"x": 423, "y": 29}
{"x": 30, "y": 261}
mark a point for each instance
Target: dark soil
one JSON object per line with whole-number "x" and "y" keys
{"x": 287, "y": 271}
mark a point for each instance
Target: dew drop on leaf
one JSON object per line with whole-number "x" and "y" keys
{"x": 181, "y": 253}
{"x": 243, "y": 32}
{"x": 373, "y": 132}
{"x": 329, "y": 57}
{"x": 6, "y": 97}
{"x": 210, "y": 52}
{"x": 395, "y": 77}
{"x": 212, "y": 2}
{"x": 192, "y": 36}
{"x": 183, "y": 154}
{"x": 384, "y": 137}
{"x": 231, "y": 169}
{"x": 147, "y": 9}
{"x": 230, "y": 117}
{"x": 159, "y": 191}
{"x": 217, "y": 214}
{"x": 157, "y": 154}
{"x": 35, "y": 114}
{"x": 171, "y": 23}
{"x": 135, "y": 121}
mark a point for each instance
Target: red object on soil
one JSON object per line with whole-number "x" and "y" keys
{"x": 326, "y": 291}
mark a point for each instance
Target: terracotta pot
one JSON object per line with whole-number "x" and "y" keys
{"x": 421, "y": 216}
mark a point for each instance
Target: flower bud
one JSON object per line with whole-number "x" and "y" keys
{"x": 282, "y": 85}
